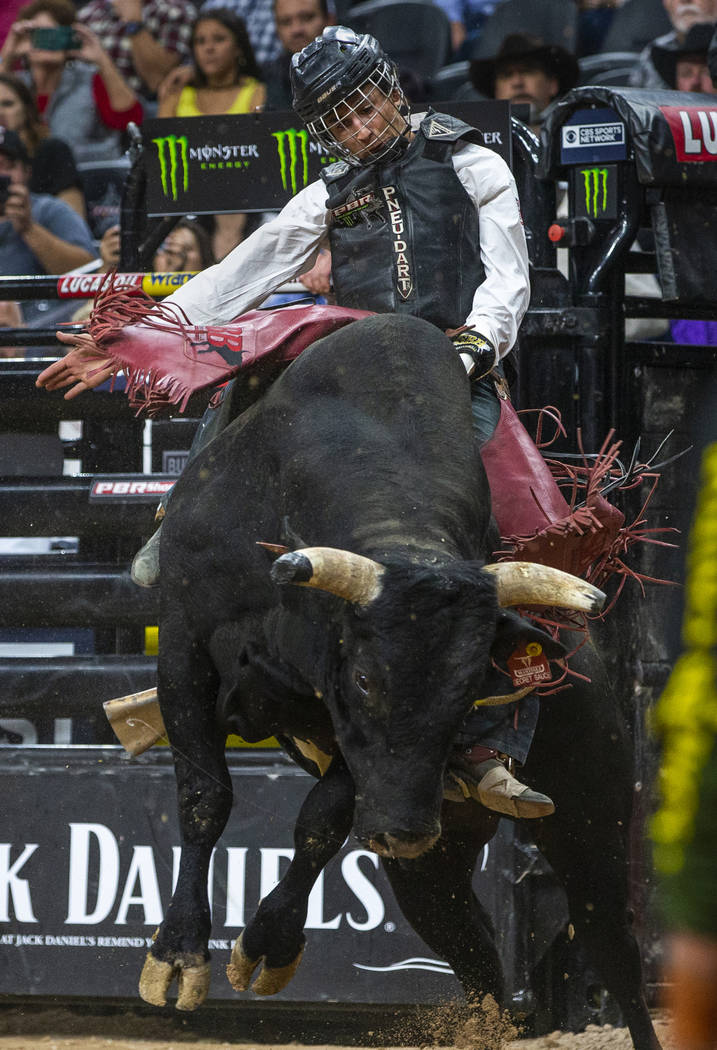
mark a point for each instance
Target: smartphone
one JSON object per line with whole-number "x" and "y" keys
{"x": 5, "y": 181}
{"x": 57, "y": 38}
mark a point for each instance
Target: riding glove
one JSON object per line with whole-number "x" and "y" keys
{"x": 478, "y": 349}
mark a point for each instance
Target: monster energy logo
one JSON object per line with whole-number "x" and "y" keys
{"x": 173, "y": 153}
{"x": 595, "y": 181}
{"x": 293, "y": 148}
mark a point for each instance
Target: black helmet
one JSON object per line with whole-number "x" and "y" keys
{"x": 341, "y": 68}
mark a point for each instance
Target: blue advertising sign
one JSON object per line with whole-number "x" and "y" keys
{"x": 593, "y": 136}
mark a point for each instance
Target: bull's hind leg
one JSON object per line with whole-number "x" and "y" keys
{"x": 275, "y": 936}
{"x": 582, "y": 756}
{"x": 187, "y": 695}
{"x": 589, "y": 857}
{"x": 435, "y": 894}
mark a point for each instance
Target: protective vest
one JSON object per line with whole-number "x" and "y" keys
{"x": 404, "y": 235}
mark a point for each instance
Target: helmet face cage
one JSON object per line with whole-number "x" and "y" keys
{"x": 380, "y": 94}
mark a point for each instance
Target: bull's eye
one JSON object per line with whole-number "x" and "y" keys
{"x": 361, "y": 681}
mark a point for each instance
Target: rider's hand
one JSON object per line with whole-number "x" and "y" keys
{"x": 318, "y": 279}
{"x": 477, "y": 354}
{"x": 85, "y": 365}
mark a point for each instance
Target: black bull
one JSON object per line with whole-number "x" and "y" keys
{"x": 365, "y": 444}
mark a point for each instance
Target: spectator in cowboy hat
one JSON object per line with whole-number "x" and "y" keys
{"x": 683, "y": 14}
{"x": 683, "y": 66}
{"x": 526, "y": 70}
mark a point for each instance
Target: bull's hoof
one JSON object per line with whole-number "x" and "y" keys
{"x": 192, "y": 982}
{"x": 271, "y": 979}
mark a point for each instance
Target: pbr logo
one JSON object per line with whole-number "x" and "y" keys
{"x": 596, "y": 192}
{"x": 173, "y": 152}
{"x": 293, "y": 147}
{"x": 362, "y": 206}
{"x": 129, "y": 489}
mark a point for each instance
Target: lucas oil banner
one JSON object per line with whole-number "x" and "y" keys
{"x": 257, "y": 161}
{"x": 89, "y": 849}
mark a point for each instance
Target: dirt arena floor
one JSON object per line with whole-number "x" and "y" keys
{"x": 27, "y": 1028}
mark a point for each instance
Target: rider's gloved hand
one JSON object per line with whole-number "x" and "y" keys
{"x": 476, "y": 352}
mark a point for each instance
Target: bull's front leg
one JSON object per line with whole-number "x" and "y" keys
{"x": 187, "y": 696}
{"x": 275, "y": 935}
{"x": 435, "y": 893}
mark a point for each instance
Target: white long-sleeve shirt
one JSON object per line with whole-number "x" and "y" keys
{"x": 288, "y": 244}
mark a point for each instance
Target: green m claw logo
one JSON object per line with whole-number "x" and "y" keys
{"x": 293, "y": 147}
{"x": 595, "y": 181}
{"x": 173, "y": 154}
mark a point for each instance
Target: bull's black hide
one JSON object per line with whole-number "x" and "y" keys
{"x": 365, "y": 443}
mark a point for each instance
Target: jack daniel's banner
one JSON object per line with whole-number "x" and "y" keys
{"x": 89, "y": 853}
{"x": 258, "y": 161}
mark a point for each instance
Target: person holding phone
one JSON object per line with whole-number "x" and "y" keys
{"x": 54, "y": 170}
{"x": 38, "y": 233}
{"x": 77, "y": 87}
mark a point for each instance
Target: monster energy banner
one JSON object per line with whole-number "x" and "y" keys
{"x": 258, "y": 161}
{"x": 89, "y": 852}
{"x": 595, "y": 191}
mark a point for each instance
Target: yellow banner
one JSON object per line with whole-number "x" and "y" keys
{"x": 161, "y": 284}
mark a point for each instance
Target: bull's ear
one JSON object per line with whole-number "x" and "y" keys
{"x": 340, "y": 572}
{"x": 512, "y": 630}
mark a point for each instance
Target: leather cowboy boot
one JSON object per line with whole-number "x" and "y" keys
{"x": 478, "y": 773}
{"x": 145, "y": 564}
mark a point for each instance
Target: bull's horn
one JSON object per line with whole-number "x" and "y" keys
{"x": 347, "y": 575}
{"x": 527, "y": 583}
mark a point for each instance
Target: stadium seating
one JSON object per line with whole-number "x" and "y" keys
{"x": 611, "y": 68}
{"x": 449, "y": 80}
{"x": 415, "y": 33}
{"x": 635, "y": 24}
{"x": 555, "y": 21}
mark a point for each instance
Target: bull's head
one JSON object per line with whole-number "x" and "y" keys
{"x": 415, "y": 651}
